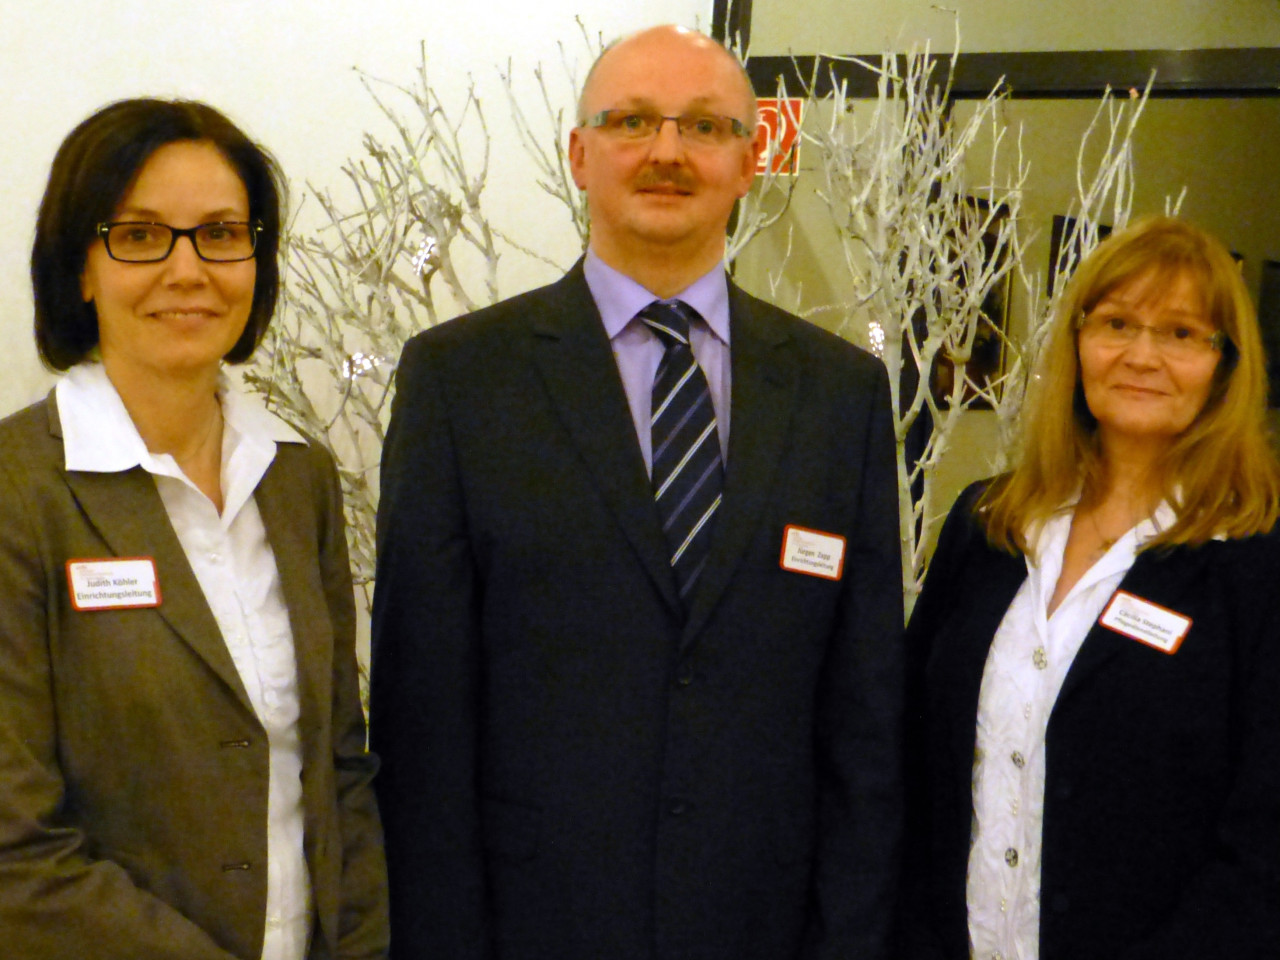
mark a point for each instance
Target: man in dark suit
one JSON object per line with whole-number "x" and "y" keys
{"x": 636, "y": 675}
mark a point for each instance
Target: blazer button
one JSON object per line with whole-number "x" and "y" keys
{"x": 235, "y": 867}
{"x": 234, "y": 744}
{"x": 678, "y": 808}
{"x": 685, "y": 677}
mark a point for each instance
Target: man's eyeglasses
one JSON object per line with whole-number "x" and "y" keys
{"x": 1177, "y": 340}
{"x": 225, "y": 241}
{"x": 698, "y": 129}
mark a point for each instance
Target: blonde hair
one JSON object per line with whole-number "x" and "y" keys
{"x": 1220, "y": 474}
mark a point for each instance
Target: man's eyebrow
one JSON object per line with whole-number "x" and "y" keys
{"x": 644, "y": 103}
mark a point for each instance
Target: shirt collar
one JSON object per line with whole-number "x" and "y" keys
{"x": 619, "y": 298}
{"x": 1051, "y": 534}
{"x": 98, "y": 436}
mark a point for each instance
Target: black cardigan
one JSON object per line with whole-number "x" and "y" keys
{"x": 1162, "y": 795}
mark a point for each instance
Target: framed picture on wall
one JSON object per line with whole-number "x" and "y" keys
{"x": 1269, "y": 321}
{"x": 1064, "y": 230}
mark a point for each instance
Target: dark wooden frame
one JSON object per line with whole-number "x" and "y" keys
{"x": 1065, "y": 74}
{"x": 987, "y": 362}
{"x": 1054, "y": 74}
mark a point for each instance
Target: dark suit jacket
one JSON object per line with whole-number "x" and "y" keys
{"x": 133, "y": 770}
{"x": 1162, "y": 792}
{"x": 571, "y": 769}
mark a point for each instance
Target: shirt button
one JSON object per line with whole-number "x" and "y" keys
{"x": 1026, "y": 710}
{"x": 1011, "y": 857}
{"x": 1018, "y": 760}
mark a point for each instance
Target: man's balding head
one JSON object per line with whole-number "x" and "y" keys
{"x": 654, "y": 36}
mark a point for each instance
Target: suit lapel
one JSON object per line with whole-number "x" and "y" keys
{"x": 126, "y": 511}
{"x": 1152, "y": 578}
{"x": 581, "y": 376}
{"x": 962, "y": 660}
{"x": 763, "y": 385}
{"x": 294, "y": 541}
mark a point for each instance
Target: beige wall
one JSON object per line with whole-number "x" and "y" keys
{"x": 1223, "y": 151}
{"x": 870, "y": 26}
{"x": 283, "y": 69}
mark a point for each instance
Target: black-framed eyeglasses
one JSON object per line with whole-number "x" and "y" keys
{"x": 139, "y": 241}
{"x": 702, "y": 129}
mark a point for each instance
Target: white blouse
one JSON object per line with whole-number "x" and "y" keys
{"x": 1026, "y": 665}
{"x": 236, "y": 570}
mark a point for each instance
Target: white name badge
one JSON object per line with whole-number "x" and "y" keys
{"x": 1145, "y": 622}
{"x": 113, "y": 584}
{"x": 813, "y": 552}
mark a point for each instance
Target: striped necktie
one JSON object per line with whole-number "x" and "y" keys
{"x": 687, "y": 472}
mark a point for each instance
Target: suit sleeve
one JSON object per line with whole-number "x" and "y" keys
{"x": 859, "y": 736}
{"x": 425, "y": 678}
{"x": 362, "y": 920}
{"x": 56, "y": 899}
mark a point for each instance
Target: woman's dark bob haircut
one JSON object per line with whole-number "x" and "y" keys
{"x": 93, "y": 170}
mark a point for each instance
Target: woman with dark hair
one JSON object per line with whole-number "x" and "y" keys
{"x": 1095, "y": 658}
{"x": 183, "y": 773}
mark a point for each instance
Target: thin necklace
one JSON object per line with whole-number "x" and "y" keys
{"x": 1105, "y": 543}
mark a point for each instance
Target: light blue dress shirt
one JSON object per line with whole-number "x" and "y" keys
{"x": 638, "y": 351}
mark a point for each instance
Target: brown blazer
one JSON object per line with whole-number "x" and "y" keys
{"x": 133, "y": 771}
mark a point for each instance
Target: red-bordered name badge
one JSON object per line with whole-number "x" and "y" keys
{"x": 1146, "y": 622}
{"x": 113, "y": 583}
{"x": 812, "y": 552}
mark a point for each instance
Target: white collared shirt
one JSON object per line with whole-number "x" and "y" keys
{"x": 236, "y": 569}
{"x": 1026, "y": 665}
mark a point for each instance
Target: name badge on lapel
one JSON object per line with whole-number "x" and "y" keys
{"x": 813, "y": 552}
{"x": 113, "y": 583}
{"x": 1146, "y": 622}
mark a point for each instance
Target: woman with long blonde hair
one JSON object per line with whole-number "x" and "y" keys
{"x": 1095, "y": 658}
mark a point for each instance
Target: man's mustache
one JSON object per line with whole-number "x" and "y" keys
{"x": 676, "y": 177}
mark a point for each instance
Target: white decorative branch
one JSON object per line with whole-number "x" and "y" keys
{"x": 923, "y": 247}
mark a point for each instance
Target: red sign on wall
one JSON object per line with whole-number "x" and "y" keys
{"x": 780, "y": 119}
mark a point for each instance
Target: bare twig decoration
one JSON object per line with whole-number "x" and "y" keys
{"x": 925, "y": 241}
{"x": 408, "y": 245}
{"x": 923, "y": 247}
